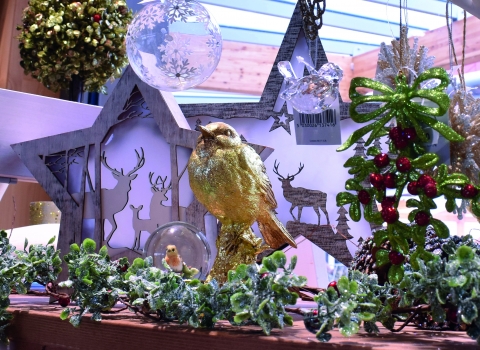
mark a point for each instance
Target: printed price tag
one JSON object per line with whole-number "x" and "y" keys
{"x": 318, "y": 129}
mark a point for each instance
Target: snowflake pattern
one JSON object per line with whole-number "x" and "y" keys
{"x": 202, "y": 15}
{"x": 214, "y": 44}
{"x": 179, "y": 70}
{"x": 175, "y": 47}
{"x": 148, "y": 20}
{"x": 180, "y": 10}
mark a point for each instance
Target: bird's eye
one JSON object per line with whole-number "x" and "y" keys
{"x": 228, "y": 133}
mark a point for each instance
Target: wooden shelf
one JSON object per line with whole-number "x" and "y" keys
{"x": 37, "y": 326}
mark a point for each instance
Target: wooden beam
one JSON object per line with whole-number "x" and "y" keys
{"x": 11, "y": 74}
{"x": 437, "y": 42}
{"x": 244, "y": 68}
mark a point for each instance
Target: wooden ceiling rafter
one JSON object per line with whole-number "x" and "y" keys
{"x": 244, "y": 68}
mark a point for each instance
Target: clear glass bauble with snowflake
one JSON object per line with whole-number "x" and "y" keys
{"x": 173, "y": 45}
{"x": 190, "y": 243}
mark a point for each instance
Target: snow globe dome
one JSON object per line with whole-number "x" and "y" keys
{"x": 191, "y": 244}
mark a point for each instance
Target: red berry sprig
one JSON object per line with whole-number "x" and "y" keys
{"x": 389, "y": 179}
{"x": 390, "y": 215}
{"x": 403, "y": 164}
{"x": 381, "y": 160}
{"x": 376, "y": 179}
{"x": 333, "y": 285}
{"x": 364, "y": 197}
{"x": 422, "y": 218}
{"x": 64, "y": 301}
{"x": 396, "y": 258}
{"x": 97, "y": 17}
{"x": 469, "y": 191}
{"x": 425, "y": 183}
{"x": 401, "y": 138}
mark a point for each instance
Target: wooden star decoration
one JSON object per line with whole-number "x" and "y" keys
{"x": 49, "y": 159}
{"x": 270, "y": 104}
{"x": 169, "y": 118}
{"x": 282, "y": 121}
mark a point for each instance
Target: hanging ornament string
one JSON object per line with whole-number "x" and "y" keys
{"x": 461, "y": 71}
{"x": 403, "y": 32}
{"x": 312, "y": 11}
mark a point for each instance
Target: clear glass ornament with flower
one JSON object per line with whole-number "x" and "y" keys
{"x": 173, "y": 45}
{"x": 313, "y": 93}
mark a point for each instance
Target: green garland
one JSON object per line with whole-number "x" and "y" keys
{"x": 252, "y": 295}
{"x": 447, "y": 290}
{"x": 61, "y": 38}
{"x": 408, "y": 170}
{"x": 18, "y": 269}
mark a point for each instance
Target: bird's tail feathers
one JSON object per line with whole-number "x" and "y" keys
{"x": 273, "y": 231}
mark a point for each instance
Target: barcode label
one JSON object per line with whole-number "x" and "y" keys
{"x": 326, "y": 119}
{"x": 319, "y": 129}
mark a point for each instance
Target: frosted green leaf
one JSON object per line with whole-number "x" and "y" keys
{"x": 242, "y": 316}
{"x": 468, "y": 311}
{"x": 343, "y": 285}
{"x": 395, "y": 273}
{"x": 349, "y": 329}
{"x": 382, "y": 257}
{"x": 279, "y": 258}
{"x": 366, "y": 316}
{"x": 64, "y": 314}
{"x": 268, "y": 263}
{"x": 465, "y": 254}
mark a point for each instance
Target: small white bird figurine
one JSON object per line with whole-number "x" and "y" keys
{"x": 174, "y": 260}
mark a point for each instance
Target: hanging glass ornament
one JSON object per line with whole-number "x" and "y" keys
{"x": 174, "y": 45}
{"x": 313, "y": 93}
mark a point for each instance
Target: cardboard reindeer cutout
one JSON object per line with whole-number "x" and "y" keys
{"x": 301, "y": 197}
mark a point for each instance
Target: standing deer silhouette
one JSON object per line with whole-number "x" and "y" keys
{"x": 115, "y": 200}
{"x": 301, "y": 197}
{"x": 158, "y": 212}
{"x": 159, "y": 195}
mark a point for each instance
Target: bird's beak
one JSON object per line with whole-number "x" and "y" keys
{"x": 206, "y": 134}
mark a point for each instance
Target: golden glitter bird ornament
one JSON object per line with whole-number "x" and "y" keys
{"x": 230, "y": 180}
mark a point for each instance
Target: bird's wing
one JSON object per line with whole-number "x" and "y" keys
{"x": 254, "y": 164}
{"x": 273, "y": 232}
